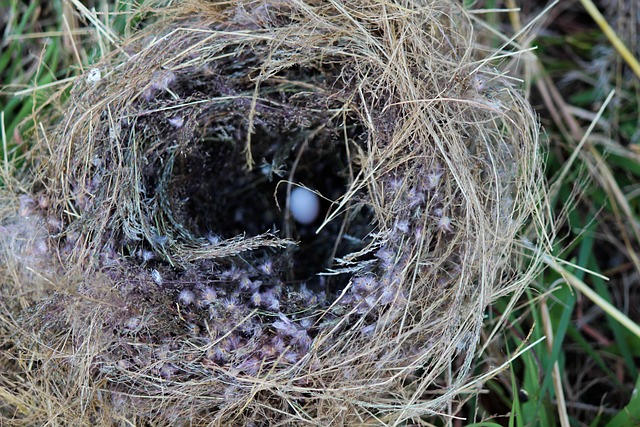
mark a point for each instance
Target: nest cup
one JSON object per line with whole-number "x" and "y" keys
{"x": 192, "y": 295}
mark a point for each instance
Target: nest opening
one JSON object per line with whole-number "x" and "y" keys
{"x": 198, "y": 176}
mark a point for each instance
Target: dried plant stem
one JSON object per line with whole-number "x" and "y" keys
{"x": 618, "y": 44}
{"x": 606, "y": 306}
{"x": 5, "y": 153}
{"x": 555, "y": 373}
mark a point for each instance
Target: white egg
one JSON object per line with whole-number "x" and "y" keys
{"x": 94, "y": 76}
{"x": 304, "y": 205}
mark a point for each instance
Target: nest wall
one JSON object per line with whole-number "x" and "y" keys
{"x": 157, "y": 274}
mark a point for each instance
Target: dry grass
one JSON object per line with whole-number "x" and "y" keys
{"x": 160, "y": 276}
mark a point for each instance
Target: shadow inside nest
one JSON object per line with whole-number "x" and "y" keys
{"x": 196, "y": 178}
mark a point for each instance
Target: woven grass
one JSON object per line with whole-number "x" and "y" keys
{"x": 158, "y": 277}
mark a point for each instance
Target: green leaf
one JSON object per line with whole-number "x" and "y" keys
{"x": 630, "y": 414}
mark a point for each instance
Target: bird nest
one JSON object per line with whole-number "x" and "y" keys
{"x": 171, "y": 279}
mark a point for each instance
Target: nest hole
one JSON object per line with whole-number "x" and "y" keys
{"x": 214, "y": 195}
